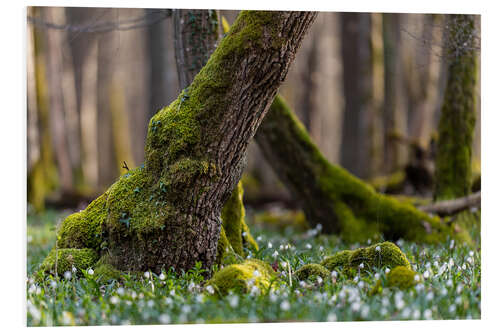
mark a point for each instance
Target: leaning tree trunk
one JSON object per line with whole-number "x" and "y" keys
{"x": 191, "y": 54}
{"x": 167, "y": 213}
{"x": 331, "y": 196}
{"x": 456, "y": 125}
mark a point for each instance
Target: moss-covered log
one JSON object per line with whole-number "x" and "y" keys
{"x": 456, "y": 124}
{"x": 167, "y": 212}
{"x": 331, "y": 196}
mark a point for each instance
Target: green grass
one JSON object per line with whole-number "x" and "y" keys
{"x": 449, "y": 287}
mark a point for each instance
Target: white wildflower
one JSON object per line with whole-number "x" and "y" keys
{"x": 334, "y": 274}
{"x": 120, "y": 291}
{"x": 164, "y": 318}
{"x": 67, "y": 275}
{"x": 331, "y": 317}
{"x": 377, "y": 248}
{"x": 308, "y": 246}
{"x": 259, "y": 238}
{"x": 146, "y": 275}
{"x": 114, "y": 299}
{"x": 365, "y": 311}
{"x": 73, "y": 269}
{"x": 269, "y": 245}
{"x": 416, "y": 314}
{"x": 254, "y": 291}
{"x": 428, "y": 314}
{"x": 256, "y": 273}
{"x": 355, "y": 306}
{"x": 426, "y": 274}
{"x": 361, "y": 265}
{"x": 319, "y": 280}
{"x": 233, "y": 301}
{"x": 162, "y": 276}
{"x": 417, "y": 277}
{"x": 210, "y": 289}
{"x": 285, "y": 305}
{"x": 387, "y": 270}
{"x": 452, "y": 308}
{"x": 275, "y": 254}
{"x": 90, "y": 271}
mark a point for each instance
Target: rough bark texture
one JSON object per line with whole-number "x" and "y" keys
{"x": 190, "y": 60}
{"x": 456, "y": 125}
{"x": 167, "y": 213}
{"x": 330, "y": 195}
{"x": 195, "y": 37}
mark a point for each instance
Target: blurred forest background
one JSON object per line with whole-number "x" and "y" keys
{"x": 367, "y": 86}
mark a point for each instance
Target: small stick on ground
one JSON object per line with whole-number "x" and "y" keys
{"x": 451, "y": 207}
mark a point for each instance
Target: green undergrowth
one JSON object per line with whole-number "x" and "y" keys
{"x": 448, "y": 285}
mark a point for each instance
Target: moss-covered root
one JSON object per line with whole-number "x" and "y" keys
{"x": 233, "y": 220}
{"x": 311, "y": 271}
{"x": 380, "y": 255}
{"x": 250, "y": 275}
{"x": 339, "y": 201}
{"x": 63, "y": 260}
{"x": 456, "y": 125}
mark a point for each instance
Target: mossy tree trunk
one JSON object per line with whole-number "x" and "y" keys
{"x": 196, "y": 35}
{"x": 331, "y": 196}
{"x": 456, "y": 124}
{"x": 167, "y": 213}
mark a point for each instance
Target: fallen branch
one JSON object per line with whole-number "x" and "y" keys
{"x": 450, "y": 207}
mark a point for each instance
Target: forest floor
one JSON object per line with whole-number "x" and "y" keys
{"x": 449, "y": 285}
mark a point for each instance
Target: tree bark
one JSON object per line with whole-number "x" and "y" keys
{"x": 167, "y": 213}
{"x": 195, "y": 37}
{"x": 456, "y": 125}
{"x": 358, "y": 91}
{"x": 331, "y": 196}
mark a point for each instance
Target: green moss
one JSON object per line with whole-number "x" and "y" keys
{"x": 282, "y": 219}
{"x": 456, "y": 124}
{"x": 81, "y": 259}
{"x": 241, "y": 277}
{"x": 339, "y": 259}
{"x": 401, "y": 277}
{"x": 388, "y": 183}
{"x": 104, "y": 271}
{"x": 379, "y": 255}
{"x": 84, "y": 229}
{"x": 225, "y": 253}
{"x": 233, "y": 220}
{"x": 310, "y": 271}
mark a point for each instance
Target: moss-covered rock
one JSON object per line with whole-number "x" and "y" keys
{"x": 242, "y": 277}
{"x": 401, "y": 277}
{"x": 66, "y": 259}
{"x": 311, "y": 271}
{"x": 379, "y": 255}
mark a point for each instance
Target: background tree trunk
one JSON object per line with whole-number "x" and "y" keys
{"x": 456, "y": 125}
{"x": 358, "y": 92}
